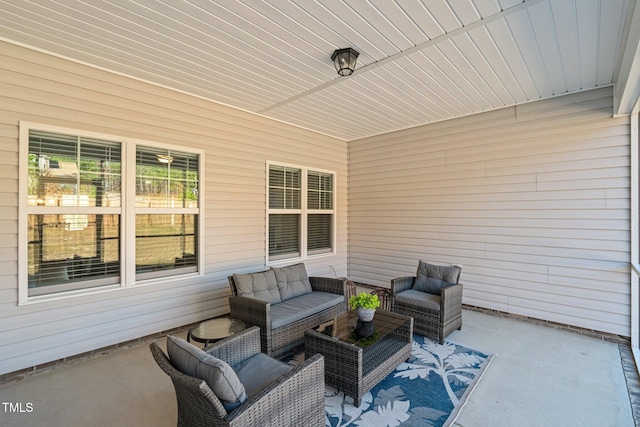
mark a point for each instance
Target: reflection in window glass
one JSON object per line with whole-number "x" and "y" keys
{"x": 67, "y": 170}
{"x": 166, "y": 178}
{"x": 73, "y": 249}
{"x": 166, "y": 242}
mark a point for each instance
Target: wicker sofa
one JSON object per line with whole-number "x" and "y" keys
{"x": 281, "y": 395}
{"x": 284, "y": 302}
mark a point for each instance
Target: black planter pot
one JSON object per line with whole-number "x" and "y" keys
{"x": 364, "y": 329}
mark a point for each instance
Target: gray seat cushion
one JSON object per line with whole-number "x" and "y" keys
{"x": 302, "y": 306}
{"x": 217, "y": 373}
{"x": 419, "y": 298}
{"x": 292, "y": 281}
{"x": 258, "y": 371}
{"x": 431, "y": 278}
{"x": 260, "y": 286}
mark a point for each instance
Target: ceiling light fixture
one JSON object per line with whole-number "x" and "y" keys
{"x": 345, "y": 60}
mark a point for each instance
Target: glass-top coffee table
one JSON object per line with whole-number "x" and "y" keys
{"x": 353, "y": 365}
{"x": 214, "y": 330}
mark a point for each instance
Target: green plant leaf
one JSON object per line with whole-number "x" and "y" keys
{"x": 364, "y": 300}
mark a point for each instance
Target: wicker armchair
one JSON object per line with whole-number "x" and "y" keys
{"x": 436, "y": 313}
{"x": 281, "y": 341}
{"x": 295, "y": 399}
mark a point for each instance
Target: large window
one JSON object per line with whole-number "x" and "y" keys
{"x": 300, "y": 212}
{"x": 166, "y": 211}
{"x": 77, "y": 208}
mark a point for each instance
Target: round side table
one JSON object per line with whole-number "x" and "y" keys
{"x": 214, "y": 330}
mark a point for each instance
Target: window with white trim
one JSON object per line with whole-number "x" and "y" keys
{"x": 166, "y": 212}
{"x": 77, "y": 209}
{"x": 301, "y": 214}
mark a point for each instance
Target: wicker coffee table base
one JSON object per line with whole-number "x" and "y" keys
{"x": 355, "y": 370}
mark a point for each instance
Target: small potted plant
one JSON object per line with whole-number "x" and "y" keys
{"x": 365, "y": 305}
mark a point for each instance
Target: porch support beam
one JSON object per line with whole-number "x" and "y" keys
{"x": 626, "y": 94}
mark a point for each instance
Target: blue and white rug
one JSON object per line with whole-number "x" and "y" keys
{"x": 429, "y": 390}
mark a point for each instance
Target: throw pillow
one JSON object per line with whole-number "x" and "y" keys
{"x": 431, "y": 278}
{"x": 217, "y": 373}
{"x": 260, "y": 286}
{"x": 292, "y": 281}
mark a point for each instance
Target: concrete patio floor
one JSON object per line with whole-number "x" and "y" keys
{"x": 541, "y": 376}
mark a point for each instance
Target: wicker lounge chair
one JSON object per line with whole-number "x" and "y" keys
{"x": 433, "y": 298}
{"x": 294, "y": 399}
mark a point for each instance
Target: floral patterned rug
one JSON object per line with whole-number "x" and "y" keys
{"x": 429, "y": 390}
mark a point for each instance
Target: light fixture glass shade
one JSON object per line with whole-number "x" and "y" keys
{"x": 345, "y": 60}
{"x": 166, "y": 159}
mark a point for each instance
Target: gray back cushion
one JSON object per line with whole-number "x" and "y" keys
{"x": 217, "y": 373}
{"x": 431, "y": 278}
{"x": 292, "y": 281}
{"x": 260, "y": 286}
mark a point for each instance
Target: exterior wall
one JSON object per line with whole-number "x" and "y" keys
{"x": 533, "y": 201}
{"x": 39, "y": 88}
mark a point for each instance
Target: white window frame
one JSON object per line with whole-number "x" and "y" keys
{"x": 304, "y": 211}
{"x": 127, "y": 213}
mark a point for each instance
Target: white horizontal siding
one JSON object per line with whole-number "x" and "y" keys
{"x": 533, "y": 201}
{"x": 42, "y": 89}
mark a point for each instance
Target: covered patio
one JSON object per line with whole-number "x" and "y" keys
{"x": 201, "y": 139}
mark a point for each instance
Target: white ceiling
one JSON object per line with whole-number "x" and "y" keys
{"x": 420, "y": 61}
